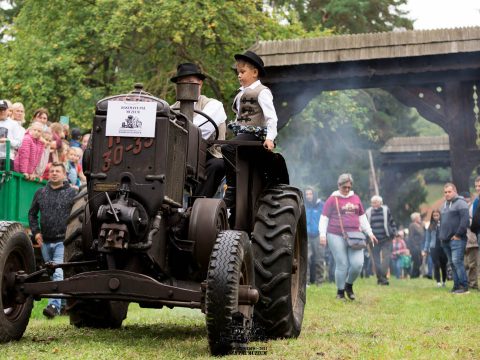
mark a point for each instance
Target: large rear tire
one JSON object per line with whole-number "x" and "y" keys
{"x": 231, "y": 265}
{"x": 280, "y": 246}
{"x": 16, "y": 253}
{"x": 87, "y": 313}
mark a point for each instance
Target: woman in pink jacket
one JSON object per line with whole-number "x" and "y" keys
{"x": 30, "y": 151}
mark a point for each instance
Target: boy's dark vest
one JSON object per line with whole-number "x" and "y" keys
{"x": 250, "y": 112}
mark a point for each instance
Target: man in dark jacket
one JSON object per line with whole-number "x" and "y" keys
{"x": 316, "y": 251}
{"x": 453, "y": 235}
{"x": 53, "y": 202}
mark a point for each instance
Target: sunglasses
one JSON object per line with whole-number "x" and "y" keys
{"x": 345, "y": 187}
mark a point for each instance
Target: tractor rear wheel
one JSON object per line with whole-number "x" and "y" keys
{"x": 16, "y": 253}
{"x": 231, "y": 265}
{"x": 280, "y": 246}
{"x": 87, "y": 313}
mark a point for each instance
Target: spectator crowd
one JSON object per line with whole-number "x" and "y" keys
{"x": 443, "y": 246}
{"x": 44, "y": 150}
{"x": 34, "y": 145}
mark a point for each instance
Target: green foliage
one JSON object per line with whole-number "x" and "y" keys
{"x": 67, "y": 54}
{"x": 349, "y": 16}
{"x": 437, "y": 175}
{"x": 8, "y": 11}
{"x": 428, "y": 128}
{"x": 411, "y": 194}
{"x": 333, "y": 133}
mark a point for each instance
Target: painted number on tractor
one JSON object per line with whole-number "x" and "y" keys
{"x": 115, "y": 152}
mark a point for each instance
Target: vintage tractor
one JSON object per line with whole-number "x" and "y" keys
{"x": 136, "y": 235}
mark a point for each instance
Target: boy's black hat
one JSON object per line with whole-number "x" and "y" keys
{"x": 187, "y": 69}
{"x": 254, "y": 59}
{"x": 3, "y": 104}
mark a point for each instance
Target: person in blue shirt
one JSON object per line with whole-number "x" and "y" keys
{"x": 316, "y": 251}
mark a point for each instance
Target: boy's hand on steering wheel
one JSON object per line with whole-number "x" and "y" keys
{"x": 268, "y": 144}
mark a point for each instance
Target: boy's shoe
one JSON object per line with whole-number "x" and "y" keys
{"x": 50, "y": 311}
{"x": 341, "y": 294}
{"x": 439, "y": 284}
{"x": 461, "y": 290}
{"x": 444, "y": 284}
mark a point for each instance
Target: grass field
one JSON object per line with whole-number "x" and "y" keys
{"x": 410, "y": 319}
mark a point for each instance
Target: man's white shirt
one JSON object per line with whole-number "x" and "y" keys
{"x": 215, "y": 110}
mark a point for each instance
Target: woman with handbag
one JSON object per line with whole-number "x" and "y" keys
{"x": 343, "y": 223}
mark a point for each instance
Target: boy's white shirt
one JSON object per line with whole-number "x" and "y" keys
{"x": 265, "y": 100}
{"x": 364, "y": 224}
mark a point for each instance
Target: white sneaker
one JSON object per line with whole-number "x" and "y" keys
{"x": 439, "y": 284}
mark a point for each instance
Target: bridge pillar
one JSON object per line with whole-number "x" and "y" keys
{"x": 449, "y": 104}
{"x": 460, "y": 121}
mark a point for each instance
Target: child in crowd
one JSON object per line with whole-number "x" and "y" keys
{"x": 83, "y": 178}
{"x": 74, "y": 170}
{"x": 75, "y": 138}
{"x": 85, "y": 139}
{"x": 42, "y": 165}
{"x": 30, "y": 152}
{"x": 56, "y": 143}
{"x": 256, "y": 119}
{"x": 66, "y": 131}
{"x": 400, "y": 255}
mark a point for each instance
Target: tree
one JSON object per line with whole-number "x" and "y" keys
{"x": 9, "y": 9}
{"x": 70, "y": 53}
{"x": 349, "y": 16}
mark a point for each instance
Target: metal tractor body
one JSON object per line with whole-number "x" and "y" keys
{"x": 135, "y": 235}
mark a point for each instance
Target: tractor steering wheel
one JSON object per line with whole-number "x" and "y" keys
{"x": 209, "y": 120}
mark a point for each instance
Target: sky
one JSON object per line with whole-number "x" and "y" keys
{"x": 440, "y": 14}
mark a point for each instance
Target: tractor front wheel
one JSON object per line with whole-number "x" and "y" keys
{"x": 16, "y": 254}
{"x": 231, "y": 265}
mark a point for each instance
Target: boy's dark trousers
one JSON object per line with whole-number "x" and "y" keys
{"x": 229, "y": 152}
{"x": 214, "y": 173}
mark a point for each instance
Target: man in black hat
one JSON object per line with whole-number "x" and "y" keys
{"x": 256, "y": 119}
{"x": 9, "y": 129}
{"x": 215, "y": 170}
